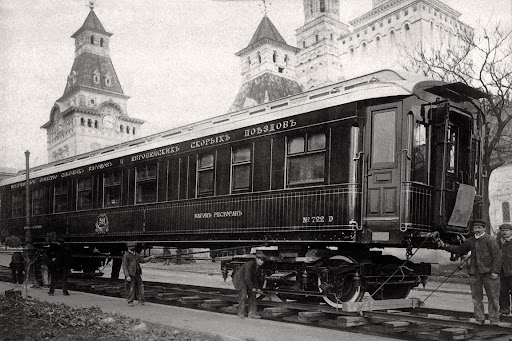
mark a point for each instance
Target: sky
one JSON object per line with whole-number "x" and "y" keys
{"x": 175, "y": 59}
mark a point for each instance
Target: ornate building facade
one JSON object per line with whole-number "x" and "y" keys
{"x": 92, "y": 113}
{"x": 329, "y": 50}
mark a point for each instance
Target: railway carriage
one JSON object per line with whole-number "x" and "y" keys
{"x": 325, "y": 178}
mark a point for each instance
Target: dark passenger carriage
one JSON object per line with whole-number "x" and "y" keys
{"x": 321, "y": 178}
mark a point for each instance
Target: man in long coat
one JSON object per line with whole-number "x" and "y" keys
{"x": 247, "y": 281}
{"x": 483, "y": 269}
{"x": 60, "y": 264}
{"x": 133, "y": 274}
{"x": 505, "y": 244}
{"x": 17, "y": 266}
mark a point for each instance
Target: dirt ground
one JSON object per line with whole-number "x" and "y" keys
{"x": 28, "y": 319}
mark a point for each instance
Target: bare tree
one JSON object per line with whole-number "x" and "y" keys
{"x": 483, "y": 61}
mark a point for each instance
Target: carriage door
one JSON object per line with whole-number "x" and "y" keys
{"x": 382, "y": 170}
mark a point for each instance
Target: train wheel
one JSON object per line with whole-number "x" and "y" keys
{"x": 351, "y": 290}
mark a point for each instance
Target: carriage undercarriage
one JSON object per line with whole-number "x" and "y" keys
{"x": 329, "y": 275}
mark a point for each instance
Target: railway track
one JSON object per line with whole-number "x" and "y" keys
{"x": 410, "y": 322}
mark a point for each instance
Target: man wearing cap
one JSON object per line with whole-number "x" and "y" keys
{"x": 133, "y": 274}
{"x": 504, "y": 239}
{"x": 60, "y": 264}
{"x": 483, "y": 268}
{"x": 247, "y": 281}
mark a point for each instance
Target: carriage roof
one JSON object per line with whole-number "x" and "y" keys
{"x": 380, "y": 84}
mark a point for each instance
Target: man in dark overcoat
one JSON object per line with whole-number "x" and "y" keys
{"x": 505, "y": 244}
{"x": 247, "y": 281}
{"x": 60, "y": 257}
{"x": 483, "y": 268}
{"x": 17, "y": 266}
{"x": 133, "y": 274}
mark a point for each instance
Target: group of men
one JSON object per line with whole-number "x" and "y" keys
{"x": 489, "y": 267}
{"x": 54, "y": 264}
{"x": 247, "y": 281}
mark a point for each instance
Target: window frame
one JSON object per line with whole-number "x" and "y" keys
{"x": 145, "y": 181}
{"x": 113, "y": 185}
{"x": 57, "y": 196}
{"x": 38, "y": 200}
{"x": 505, "y": 211}
{"x": 307, "y": 153}
{"x": 84, "y": 192}
{"x": 378, "y": 164}
{"x": 19, "y": 210}
{"x": 201, "y": 171}
{"x": 427, "y": 146}
{"x": 239, "y": 165}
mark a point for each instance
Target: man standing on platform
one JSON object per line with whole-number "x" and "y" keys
{"x": 505, "y": 244}
{"x": 247, "y": 281}
{"x": 133, "y": 274}
{"x": 484, "y": 268}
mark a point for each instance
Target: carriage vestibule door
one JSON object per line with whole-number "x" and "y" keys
{"x": 382, "y": 169}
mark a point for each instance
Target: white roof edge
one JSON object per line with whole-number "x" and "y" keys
{"x": 384, "y": 83}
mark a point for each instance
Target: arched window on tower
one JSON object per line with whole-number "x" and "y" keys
{"x": 322, "y": 6}
{"x": 121, "y": 128}
{"x": 89, "y": 123}
{"x": 101, "y": 42}
{"x": 407, "y": 31}
{"x": 92, "y": 39}
{"x": 96, "y": 124}
{"x": 127, "y": 129}
{"x": 286, "y": 59}
{"x": 82, "y": 122}
{"x": 392, "y": 38}
{"x": 133, "y": 130}
{"x": 248, "y": 60}
{"x": 274, "y": 56}
{"x": 259, "y": 57}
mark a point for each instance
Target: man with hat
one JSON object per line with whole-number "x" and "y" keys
{"x": 483, "y": 268}
{"x": 247, "y": 281}
{"x": 60, "y": 264}
{"x": 133, "y": 274}
{"x": 504, "y": 239}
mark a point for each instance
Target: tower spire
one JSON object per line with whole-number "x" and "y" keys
{"x": 91, "y": 5}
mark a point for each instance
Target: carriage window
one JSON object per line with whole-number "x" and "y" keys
{"x": 146, "y": 184}
{"x": 84, "y": 194}
{"x": 452, "y": 148}
{"x": 112, "y": 189}
{"x": 505, "y": 207}
{"x": 306, "y": 159}
{"x": 38, "y": 201}
{"x": 205, "y": 174}
{"x": 18, "y": 199}
{"x": 61, "y": 197}
{"x": 420, "y": 154}
{"x": 384, "y": 136}
{"x": 241, "y": 168}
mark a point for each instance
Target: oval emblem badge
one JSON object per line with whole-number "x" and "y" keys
{"x": 102, "y": 223}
